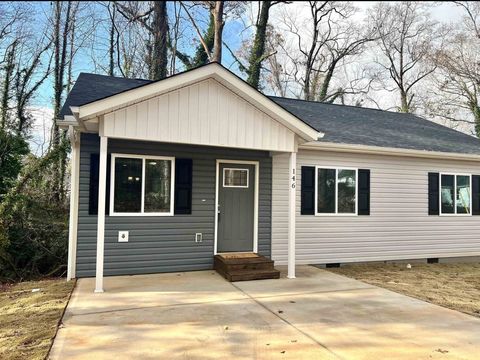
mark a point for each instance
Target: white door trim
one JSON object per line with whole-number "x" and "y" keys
{"x": 255, "y": 202}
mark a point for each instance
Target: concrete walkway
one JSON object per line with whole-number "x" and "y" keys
{"x": 198, "y": 315}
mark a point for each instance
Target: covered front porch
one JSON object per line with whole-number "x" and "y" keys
{"x": 208, "y": 118}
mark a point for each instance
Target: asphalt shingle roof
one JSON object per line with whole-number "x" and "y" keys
{"x": 92, "y": 87}
{"x": 364, "y": 126}
{"x": 341, "y": 124}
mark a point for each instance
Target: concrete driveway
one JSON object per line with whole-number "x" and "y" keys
{"x": 198, "y": 315}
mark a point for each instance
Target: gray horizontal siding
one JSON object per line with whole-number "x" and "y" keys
{"x": 398, "y": 227}
{"x": 164, "y": 244}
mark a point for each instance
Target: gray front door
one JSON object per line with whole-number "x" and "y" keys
{"x": 236, "y": 192}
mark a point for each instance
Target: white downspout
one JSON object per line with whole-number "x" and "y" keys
{"x": 291, "y": 213}
{"x": 102, "y": 180}
{"x": 73, "y": 219}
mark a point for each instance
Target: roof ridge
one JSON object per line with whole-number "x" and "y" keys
{"x": 113, "y": 76}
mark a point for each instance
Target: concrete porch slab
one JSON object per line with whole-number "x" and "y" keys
{"x": 199, "y": 315}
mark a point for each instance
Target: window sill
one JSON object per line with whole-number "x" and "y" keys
{"x": 336, "y": 215}
{"x": 455, "y": 215}
{"x": 142, "y": 214}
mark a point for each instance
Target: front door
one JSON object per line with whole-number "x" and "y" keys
{"x": 236, "y": 199}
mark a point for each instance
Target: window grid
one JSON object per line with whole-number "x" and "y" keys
{"x": 336, "y": 213}
{"x": 143, "y": 158}
{"x": 454, "y": 194}
{"x": 235, "y": 186}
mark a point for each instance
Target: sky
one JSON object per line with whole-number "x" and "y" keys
{"x": 234, "y": 34}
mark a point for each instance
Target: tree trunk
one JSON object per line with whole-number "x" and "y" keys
{"x": 218, "y": 17}
{"x": 111, "y": 50}
{"x": 306, "y": 86}
{"x": 258, "y": 48}
{"x": 326, "y": 82}
{"x": 159, "y": 60}
{"x": 475, "y": 108}
{"x": 9, "y": 67}
{"x": 404, "y": 107}
{"x": 60, "y": 53}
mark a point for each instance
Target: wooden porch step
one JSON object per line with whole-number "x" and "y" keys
{"x": 246, "y": 266}
{"x": 245, "y": 275}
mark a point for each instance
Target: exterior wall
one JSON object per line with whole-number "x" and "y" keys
{"x": 398, "y": 227}
{"x": 162, "y": 244}
{"x": 193, "y": 115}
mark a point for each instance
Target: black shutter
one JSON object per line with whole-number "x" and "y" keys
{"x": 308, "y": 191}
{"x": 107, "y": 188}
{"x": 93, "y": 188}
{"x": 363, "y": 192}
{"x": 183, "y": 186}
{"x": 433, "y": 193}
{"x": 476, "y": 194}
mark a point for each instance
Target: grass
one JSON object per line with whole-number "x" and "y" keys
{"x": 454, "y": 286}
{"x": 29, "y": 319}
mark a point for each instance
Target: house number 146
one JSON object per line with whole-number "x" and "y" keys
{"x": 294, "y": 183}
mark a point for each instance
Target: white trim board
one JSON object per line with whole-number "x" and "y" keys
{"x": 390, "y": 151}
{"x": 255, "y": 206}
{"x": 74, "y": 201}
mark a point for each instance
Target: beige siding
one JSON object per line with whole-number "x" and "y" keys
{"x": 398, "y": 227}
{"x": 205, "y": 113}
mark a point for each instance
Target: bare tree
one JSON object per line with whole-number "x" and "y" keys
{"x": 472, "y": 16}
{"x": 217, "y": 21}
{"x": 64, "y": 17}
{"x": 256, "y": 49}
{"x": 155, "y": 20}
{"x": 8, "y": 70}
{"x": 29, "y": 76}
{"x": 458, "y": 76}
{"x": 406, "y": 38}
{"x": 275, "y": 64}
{"x": 322, "y": 42}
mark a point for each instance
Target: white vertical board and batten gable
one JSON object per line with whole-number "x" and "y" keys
{"x": 205, "y": 106}
{"x": 204, "y": 113}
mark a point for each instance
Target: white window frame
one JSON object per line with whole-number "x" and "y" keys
{"x": 454, "y": 194}
{"x": 142, "y": 208}
{"x": 336, "y": 168}
{"x": 236, "y": 186}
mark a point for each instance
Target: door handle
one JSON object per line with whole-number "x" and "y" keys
{"x": 218, "y": 213}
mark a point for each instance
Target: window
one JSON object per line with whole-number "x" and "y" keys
{"x": 235, "y": 178}
{"x": 455, "y": 194}
{"x": 142, "y": 185}
{"x": 336, "y": 191}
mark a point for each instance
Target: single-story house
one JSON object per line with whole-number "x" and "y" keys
{"x": 166, "y": 174}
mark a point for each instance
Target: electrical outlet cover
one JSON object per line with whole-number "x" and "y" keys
{"x": 123, "y": 236}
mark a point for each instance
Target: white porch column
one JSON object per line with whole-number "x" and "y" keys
{"x": 73, "y": 220}
{"x": 292, "y": 166}
{"x": 102, "y": 179}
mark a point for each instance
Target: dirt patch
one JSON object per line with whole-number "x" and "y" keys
{"x": 455, "y": 286}
{"x": 29, "y": 315}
